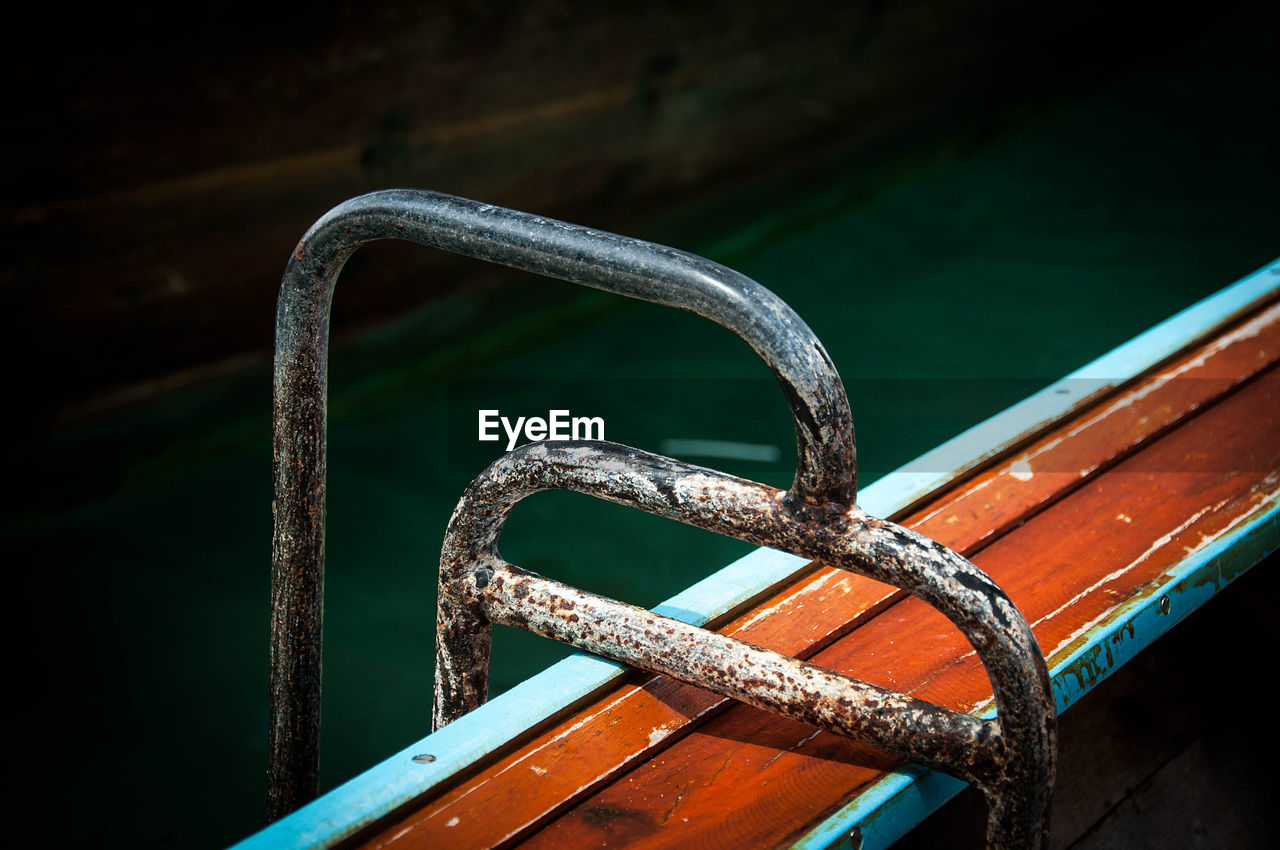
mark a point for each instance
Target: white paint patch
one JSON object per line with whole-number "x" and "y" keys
{"x": 1125, "y": 518}
{"x": 947, "y": 504}
{"x": 401, "y": 834}
{"x": 797, "y": 745}
{"x": 1246, "y": 331}
{"x": 657, "y": 735}
{"x": 453, "y": 821}
{"x": 788, "y": 600}
{"x": 1020, "y": 470}
{"x": 1158, "y": 544}
{"x": 566, "y": 733}
{"x": 541, "y": 771}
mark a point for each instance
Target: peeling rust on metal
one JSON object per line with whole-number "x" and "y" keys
{"x": 1011, "y": 758}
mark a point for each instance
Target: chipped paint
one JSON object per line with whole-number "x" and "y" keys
{"x": 950, "y": 503}
{"x": 1067, "y": 643}
{"x": 788, "y": 600}
{"x": 912, "y": 483}
{"x": 891, "y": 807}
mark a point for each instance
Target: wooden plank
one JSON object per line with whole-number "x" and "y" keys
{"x": 1053, "y": 465}
{"x": 640, "y": 719}
{"x": 774, "y": 774}
{"x": 901, "y": 799}
{"x": 1128, "y": 730}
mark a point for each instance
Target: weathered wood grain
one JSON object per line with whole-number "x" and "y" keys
{"x": 748, "y": 779}
{"x": 1140, "y": 725}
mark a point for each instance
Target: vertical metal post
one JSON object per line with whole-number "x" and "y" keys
{"x": 824, "y": 425}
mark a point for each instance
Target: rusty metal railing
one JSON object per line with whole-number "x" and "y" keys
{"x": 1011, "y": 758}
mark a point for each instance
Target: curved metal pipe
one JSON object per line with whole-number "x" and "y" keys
{"x": 825, "y": 472}
{"x": 1013, "y": 762}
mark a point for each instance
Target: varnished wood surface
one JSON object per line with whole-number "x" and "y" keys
{"x": 1149, "y": 759}
{"x": 749, "y": 779}
{"x": 657, "y": 762}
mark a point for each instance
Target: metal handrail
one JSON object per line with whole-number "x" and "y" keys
{"x": 1011, "y": 758}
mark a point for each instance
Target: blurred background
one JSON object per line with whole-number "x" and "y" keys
{"x": 964, "y": 200}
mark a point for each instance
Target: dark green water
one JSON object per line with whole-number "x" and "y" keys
{"x": 947, "y": 281}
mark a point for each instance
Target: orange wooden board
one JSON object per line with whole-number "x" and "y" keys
{"x": 881, "y": 637}
{"x": 748, "y": 779}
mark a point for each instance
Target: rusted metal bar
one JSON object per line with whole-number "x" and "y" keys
{"x": 1012, "y": 760}
{"x": 761, "y": 677}
{"x": 824, "y": 425}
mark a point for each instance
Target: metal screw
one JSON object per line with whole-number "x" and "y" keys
{"x": 1164, "y": 605}
{"x": 424, "y": 758}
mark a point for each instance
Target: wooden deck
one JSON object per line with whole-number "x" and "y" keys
{"x": 1079, "y": 522}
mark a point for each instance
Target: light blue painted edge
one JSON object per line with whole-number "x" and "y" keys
{"x": 970, "y": 449}
{"x": 393, "y": 782}
{"x": 893, "y": 806}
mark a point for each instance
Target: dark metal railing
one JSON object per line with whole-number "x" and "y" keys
{"x": 1011, "y": 757}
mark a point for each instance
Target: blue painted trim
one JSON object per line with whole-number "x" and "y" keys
{"x": 391, "y": 783}
{"x": 894, "y": 805}
{"x": 384, "y": 787}
{"x": 887, "y": 810}
{"x": 913, "y": 482}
